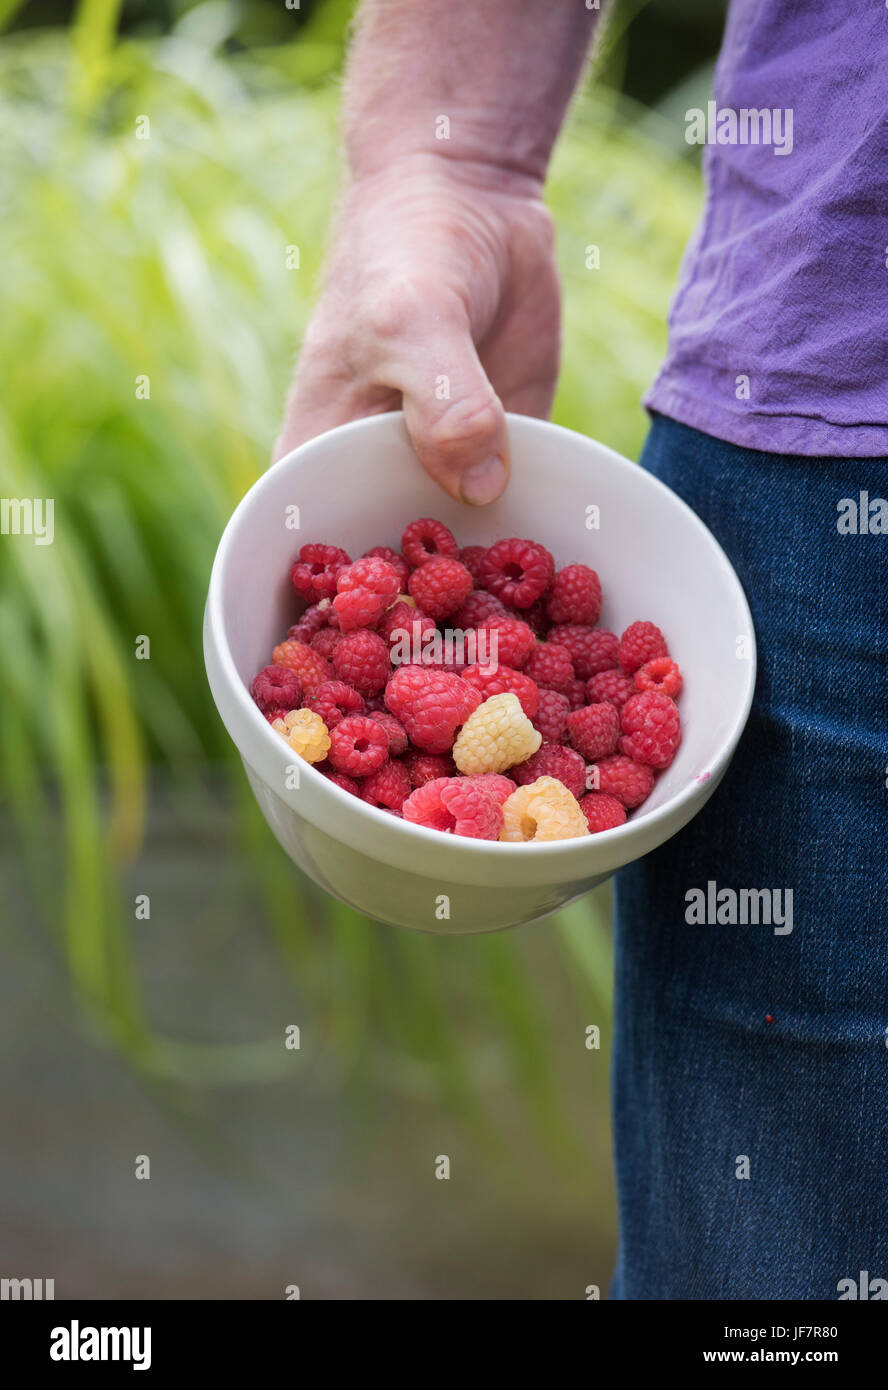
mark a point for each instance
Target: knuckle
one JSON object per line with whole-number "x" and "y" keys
{"x": 465, "y": 425}
{"x": 393, "y": 309}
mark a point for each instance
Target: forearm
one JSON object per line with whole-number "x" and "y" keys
{"x": 484, "y": 82}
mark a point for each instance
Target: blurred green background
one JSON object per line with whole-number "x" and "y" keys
{"x": 127, "y": 258}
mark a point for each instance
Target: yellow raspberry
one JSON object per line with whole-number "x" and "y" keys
{"x": 306, "y": 734}
{"x": 496, "y": 737}
{"x": 543, "y": 810}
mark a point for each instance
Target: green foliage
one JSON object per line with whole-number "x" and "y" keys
{"x": 165, "y": 258}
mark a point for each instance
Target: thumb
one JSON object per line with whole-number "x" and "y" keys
{"x": 455, "y": 419}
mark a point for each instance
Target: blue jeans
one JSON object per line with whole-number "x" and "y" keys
{"x": 739, "y": 1050}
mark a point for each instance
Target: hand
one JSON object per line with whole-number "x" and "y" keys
{"x": 441, "y": 295}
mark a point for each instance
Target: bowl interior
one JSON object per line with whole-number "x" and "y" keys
{"x": 359, "y": 486}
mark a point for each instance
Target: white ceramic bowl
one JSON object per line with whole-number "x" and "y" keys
{"x": 358, "y": 486}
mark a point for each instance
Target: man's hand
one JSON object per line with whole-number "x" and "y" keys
{"x": 442, "y": 295}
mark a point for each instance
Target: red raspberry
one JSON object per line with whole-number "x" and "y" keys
{"x": 575, "y": 596}
{"x": 577, "y": 694}
{"x": 594, "y": 730}
{"x": 458, "y": 805}
{"x": 592, "y": 649}
{"x": 364, "y": 591}
{"x": 551, "y": 717}
{"x": 309, "y": 665}
{"x": 387, "y": 788}
{"x": 553, "y": 760}
{"x": 326, "y": 641}
{"x": 373, "y": 704}
{"x": 424, "y": 538}
{"x": 661, "y": 674}
{"x": 394, "y": 558}
{"x": 628, "y": 781}
{"x": 478, "y": 606}
{"x": 612, "y": 686}
{"x": 499, "y": 786}
{"x": 397, "y": 734}
{"x": 277, "y": 687}
{"x": 551, "y": 666}
{"x": 314, "y": 573}
{"x": 440, "y": 586}
{"x": 333, "y": 700}
{"x": 502, "y": 680}
{"x": 514, "y": 640}
{"x": 361, "y": 659}
{"x": 425, "y": 767}
{"x": 312, "y": 621}
{"x": 275, "y": 712}
{"x": 517, "y": 571}
{"x": 602, "y": 812}
{"x": 358, "y": 746}
{"x": 348, "y": 784}
{"x": 471, "y": 556}
{"x": 431, "y": 705}
{"x": 640, "y": 643}
{"x": 651, "y": 727}
{"x": 403, "y": 619}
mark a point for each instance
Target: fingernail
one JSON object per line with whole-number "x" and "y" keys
{"x": 483, "y": 482}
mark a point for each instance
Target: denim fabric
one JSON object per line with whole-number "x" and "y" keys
{"x": 701, "y": 1077}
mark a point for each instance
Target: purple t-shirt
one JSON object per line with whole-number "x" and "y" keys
{"x": 779, "y": 330}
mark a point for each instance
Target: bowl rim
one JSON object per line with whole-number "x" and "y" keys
{"x": 497, "y": 850}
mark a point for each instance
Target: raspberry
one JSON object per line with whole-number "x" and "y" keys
{"x": 348, "y": 784}
{"x": 314, "y": 573}
{"x": 575, "y": 596}
{"x": 409, "y": 625}
{"x": 471, "y": 556}
{"x": 661, "y": 674}
{"x": 394, "y": 558}
{"x": 550, "y": 665}
{"x": 364, "y": 591}
{"x": 333, "y": 700}
{"x": 312, "y": 621}
{"x": 306, "y": 734}
{"x": 554, "y": 760}
{"x": 499, "y": 786}
{"x": 361, "y": 659}
{"x": 612, "y": 686}
{"x": 651, "y": 728}
{"x": 640, "y": 643}
{"x": 440, "y": 586}
{"x": 628, "y": 781}
{"x": 499, "y": 680}
{"x": 543, "y": 810}
{"x": 326, "y": 641}
{"x": 517, "y": 571}
{"x": 495, "y": 737}
{"x": 374, "y": 703}
{"x": 551, "y": 717}
{"x": 478, "y": 606}
{"x": 457, "y": 806}
{"x": 602, "y": 812}
{"x": 431, "y": 705}
{"x": 277, "y": 687}
{"x": 576, "y": 695}
{"x": 592, "y": 649}
{"x": 276, "y": 712}
{"x": 397, "y": 734}
{"x": 424, "y": 538}
{"x": 594, "y": 730}
{"x": 514, "y": 640}
{"x": 309, "y": 665}
{"x": 358, "y": 746}
{"x": 425, "y": 767}
{"x": 388, "y": 787}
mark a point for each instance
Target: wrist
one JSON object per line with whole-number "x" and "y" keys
{"x": 397, "y": 168}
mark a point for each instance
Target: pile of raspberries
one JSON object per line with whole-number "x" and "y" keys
{"x": 559, "y": 733}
